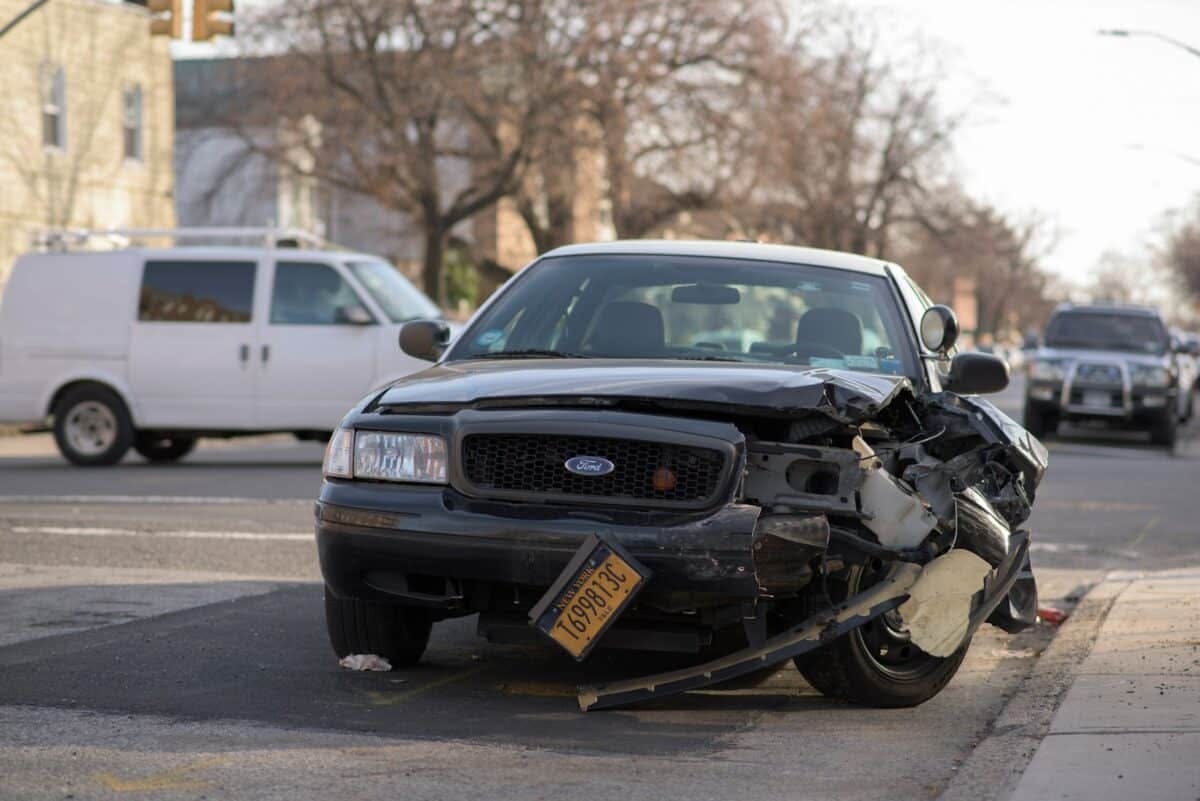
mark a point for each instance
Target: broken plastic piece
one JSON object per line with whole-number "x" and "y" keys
{"x": 938, "y": 610}
{"x": 894, "y": 513}
{"x": 365, "y": 662}
{"x": 1052, "y": 615}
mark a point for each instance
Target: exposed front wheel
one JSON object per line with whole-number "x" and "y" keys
{"x": 876, "y": 664}
{"x": 157, "y": 448}
{"x": 92, "y": 426}
{"x": 397, "y": 633}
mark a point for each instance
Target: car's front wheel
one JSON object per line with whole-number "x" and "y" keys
{"x": 92, "y": 426}
{"x": 397, "y": 633}
{"x": 1165, "y": 429}
{"x": 1039, "y": 422}
{"x": 876, "y": 664}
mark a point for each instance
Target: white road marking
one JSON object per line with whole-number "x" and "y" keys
{"x": 74, "y": 531}
{"x": 146, "y": 499}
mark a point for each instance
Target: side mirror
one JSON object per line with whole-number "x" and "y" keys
{"x": 939, "y": 329}
{"x": 353, "y": 315}
{"x": 1031, "y": 342}
{"x": 976, "y": 374}
{"x": 424, "y": 339}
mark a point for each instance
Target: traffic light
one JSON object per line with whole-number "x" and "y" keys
{"x": 166, "y": 18}
{"x": 211, "y": 18}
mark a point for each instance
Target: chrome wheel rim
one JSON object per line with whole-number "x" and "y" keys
{"x": 90, "y": 428}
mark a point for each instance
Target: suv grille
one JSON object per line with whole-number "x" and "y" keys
{"x": 534, "y": 464}
{"x": 1098, "y": 374}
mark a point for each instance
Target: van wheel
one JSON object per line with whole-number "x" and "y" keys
{"x": 92, "y": 426}
{"x": 876, "y": 664}
{"x": 157, "y": 448}
{"x": 397, "y": 633}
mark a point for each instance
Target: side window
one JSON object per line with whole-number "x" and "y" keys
{"x": 306, "y": 293}
{"x": 197, "y": 291}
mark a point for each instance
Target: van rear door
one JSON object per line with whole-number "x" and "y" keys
{"x": 191, "y": 362}
{"x": 318, "y": 346}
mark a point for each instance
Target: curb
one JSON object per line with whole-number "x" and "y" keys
{"x": 996, "y": 765}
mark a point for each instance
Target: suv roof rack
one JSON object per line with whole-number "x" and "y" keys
{"x": 61, "y": 239}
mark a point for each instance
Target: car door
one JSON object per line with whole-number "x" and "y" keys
{"x": 317, "y": 347}
{"x": 190, "y": 346}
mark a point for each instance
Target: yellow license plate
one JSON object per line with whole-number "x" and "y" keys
{"x": 588, "y": 597}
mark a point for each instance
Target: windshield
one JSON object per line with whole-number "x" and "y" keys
{"x": 1099, "y": 331}
{"x": 399, "y": 299}
{"x": 697, "y": 308}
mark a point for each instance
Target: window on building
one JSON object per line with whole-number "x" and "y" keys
{"x": 197, "y": 291}
{"x": 54, "y": 107}
{"x": 306, "y": 293}
{"x": 131, "y": 121}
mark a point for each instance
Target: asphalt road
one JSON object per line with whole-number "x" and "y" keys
{"x": 161, "y": 635}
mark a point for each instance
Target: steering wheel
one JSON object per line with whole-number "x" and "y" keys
{"x": 819, "y": 349}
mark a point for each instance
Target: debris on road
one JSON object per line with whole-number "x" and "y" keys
{"x": 365, "y": 662}
{"x": 1052, "y": 615}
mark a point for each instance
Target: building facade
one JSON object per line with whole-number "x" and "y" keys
{"x": 86, "y": 122}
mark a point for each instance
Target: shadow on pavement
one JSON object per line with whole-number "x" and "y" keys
{"x": 266, "y": 659}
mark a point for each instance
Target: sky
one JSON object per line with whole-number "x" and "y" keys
{"x": 1092, "y": 131}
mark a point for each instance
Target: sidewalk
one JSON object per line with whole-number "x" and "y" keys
{"x": 1129, "y": 727}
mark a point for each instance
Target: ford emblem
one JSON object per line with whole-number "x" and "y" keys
{"x": 589, "y": 466}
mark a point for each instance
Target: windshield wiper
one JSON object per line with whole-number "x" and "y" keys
{"x": 707, "y": 358}
{"x": 530, "y": 353}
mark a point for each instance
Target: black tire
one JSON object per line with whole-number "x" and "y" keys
{"x": 1039, "y": 422}
{"x": 92, "y": 427}
{"x": 158, "y": 449}
{"x": 397, "y": 633}
{"x": 852, "y": 667}
{"x": 1165, "y": 429}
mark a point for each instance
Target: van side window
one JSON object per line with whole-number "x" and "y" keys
{"x": 306, "y": 293}
{"x": 197, "y": 291}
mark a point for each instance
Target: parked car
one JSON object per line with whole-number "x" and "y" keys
{"x": 151, "y": 348}
{"x": 580, "y": 468}
{"x": 1112, "y": 365}
{"x": 1189, "y": 369}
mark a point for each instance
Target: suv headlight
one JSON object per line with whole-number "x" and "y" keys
{"x": 384, "y": 456}
{"x": 1149, "y": 375}
{"x": 1046, "y": 370}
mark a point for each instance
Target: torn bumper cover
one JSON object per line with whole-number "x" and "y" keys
{"x": 891, "y": 592}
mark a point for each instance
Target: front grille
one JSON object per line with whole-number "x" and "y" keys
{"x": 534, "y": 464}
{"x": 1098, "y": 374}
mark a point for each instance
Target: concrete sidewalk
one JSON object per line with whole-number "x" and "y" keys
{"x": 1129, "y": 727}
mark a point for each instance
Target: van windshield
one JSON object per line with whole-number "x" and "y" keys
{"x": 399, "y": 299}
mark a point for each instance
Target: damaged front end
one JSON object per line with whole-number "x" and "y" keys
{"x": 890, "y": 524}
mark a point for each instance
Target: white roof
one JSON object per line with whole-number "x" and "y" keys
{"x": 205, "y": 252}
{"x": 754, "y": 251}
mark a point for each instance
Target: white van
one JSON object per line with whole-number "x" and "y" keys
{"x": 151, "y": 348}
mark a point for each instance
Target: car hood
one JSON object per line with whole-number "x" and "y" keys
{"x": 1095, "y": 355}
{"x": 760, "y": 389}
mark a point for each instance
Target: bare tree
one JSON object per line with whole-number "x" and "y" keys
{"x": 427, "y": 106}
{"x": 1181, "y": 255}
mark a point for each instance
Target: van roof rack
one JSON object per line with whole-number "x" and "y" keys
{"x": 116, "y": 238}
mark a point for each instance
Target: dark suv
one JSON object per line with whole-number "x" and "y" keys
{"x": 748, "y": 452}
{"x": 1111, "y": 365}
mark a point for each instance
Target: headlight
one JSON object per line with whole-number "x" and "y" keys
{"x": 400, "y": 457}
{"x": 379, "y": 455}
{"x": 1149, "y": 375}
{"x": 339, "y": 454}
{"x": 1046, "y": 370}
